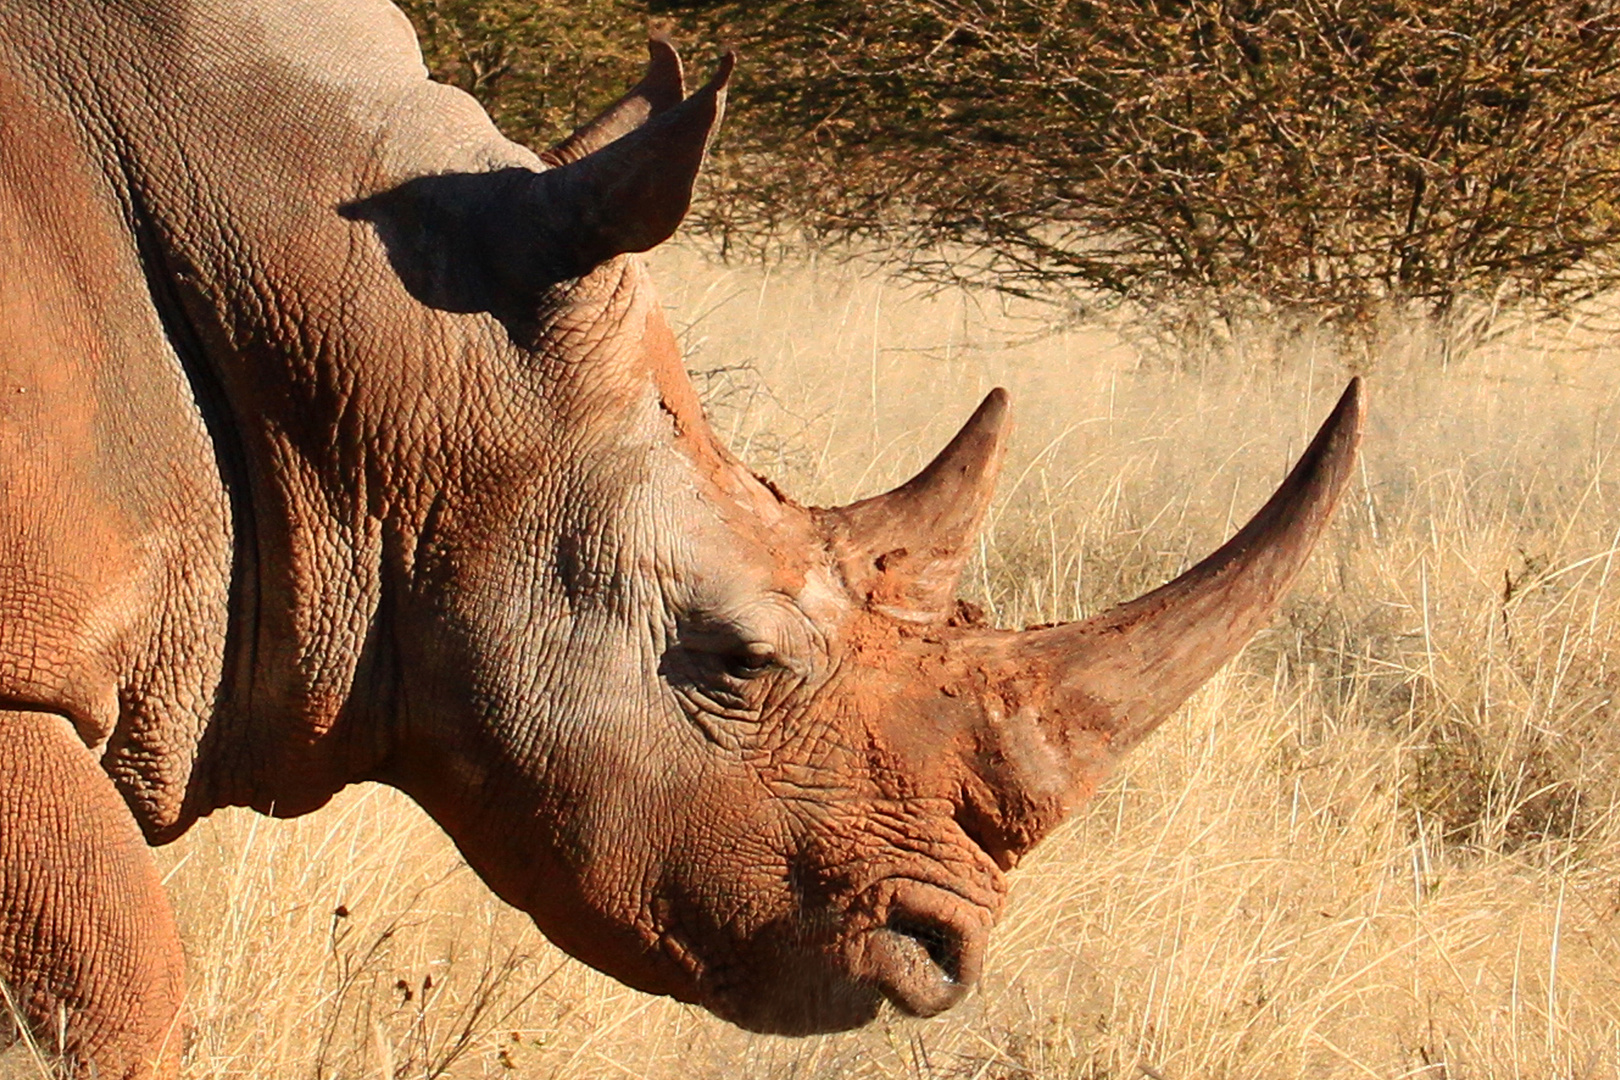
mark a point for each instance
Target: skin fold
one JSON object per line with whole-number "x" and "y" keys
{"x": 342, "y": 439}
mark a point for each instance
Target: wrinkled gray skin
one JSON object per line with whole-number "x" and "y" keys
{"x": 336, "y": 446}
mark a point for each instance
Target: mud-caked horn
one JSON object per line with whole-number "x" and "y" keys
{"x": 903, "y": 551}
{"x": 1058, "y": 705}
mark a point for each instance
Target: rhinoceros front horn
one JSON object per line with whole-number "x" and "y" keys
{"x": 1058, "y": 705}
{"x": 1045, "y": 713}
{"x": 1123, "y": 671}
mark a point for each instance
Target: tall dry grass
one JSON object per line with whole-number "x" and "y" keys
{"x": 1382, "y": 843}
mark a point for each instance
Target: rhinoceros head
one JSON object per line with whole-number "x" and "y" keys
{"x": 721, "y": 745}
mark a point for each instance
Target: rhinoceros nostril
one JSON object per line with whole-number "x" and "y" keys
{"x": 942, "y": 944}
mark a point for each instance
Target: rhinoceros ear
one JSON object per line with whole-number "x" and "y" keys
{"x": 904, "y": 551}
{"x": 663, "y": 87}
{"x": 629, "y": 195}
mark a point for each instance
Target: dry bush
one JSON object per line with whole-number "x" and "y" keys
{"x": 1382, "y": 842}
{"x": 1327, "y": 157}
{"x": 1332, "y": 154}
{"x": 540, "y": 69}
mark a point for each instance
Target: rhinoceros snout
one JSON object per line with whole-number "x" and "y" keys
{"x": 927, "y": 951}
{"x": 924, "y": 965}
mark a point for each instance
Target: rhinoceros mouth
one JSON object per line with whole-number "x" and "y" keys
{"x": 921, "y": 950}
{"x": 817, "y": 1001}
{"x": 921, "y": 965}
{"x": 778, "y": 983}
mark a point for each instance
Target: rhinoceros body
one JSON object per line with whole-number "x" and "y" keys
{"x": 342, "y": 439}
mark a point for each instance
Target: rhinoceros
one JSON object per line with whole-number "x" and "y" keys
{"x": 342, "y": 439}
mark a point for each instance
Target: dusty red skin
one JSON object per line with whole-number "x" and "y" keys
{"x": 346, "y": 441}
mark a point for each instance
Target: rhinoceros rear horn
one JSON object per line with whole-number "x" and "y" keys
{"x": 631, "y": 193}
{"x": 903, "y": 551}
{"x": 662, "y": 88}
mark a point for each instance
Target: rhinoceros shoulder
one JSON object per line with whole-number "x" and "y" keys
{"x": 115, "y": 544}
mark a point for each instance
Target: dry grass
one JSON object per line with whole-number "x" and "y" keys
{"x": 1383, "y": 843}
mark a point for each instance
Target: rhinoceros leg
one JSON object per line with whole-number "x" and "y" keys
{"x": 88, "y": 948}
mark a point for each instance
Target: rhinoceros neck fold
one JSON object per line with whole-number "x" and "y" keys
{"x": 230, "y": 135}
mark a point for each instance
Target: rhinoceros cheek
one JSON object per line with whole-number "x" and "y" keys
{"x": 620, "y": 948}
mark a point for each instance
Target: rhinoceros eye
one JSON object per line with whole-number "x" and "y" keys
{"x": 749, "y": 664}
{"x": 722, "y": 684}
{"x": 723, "y": 647}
